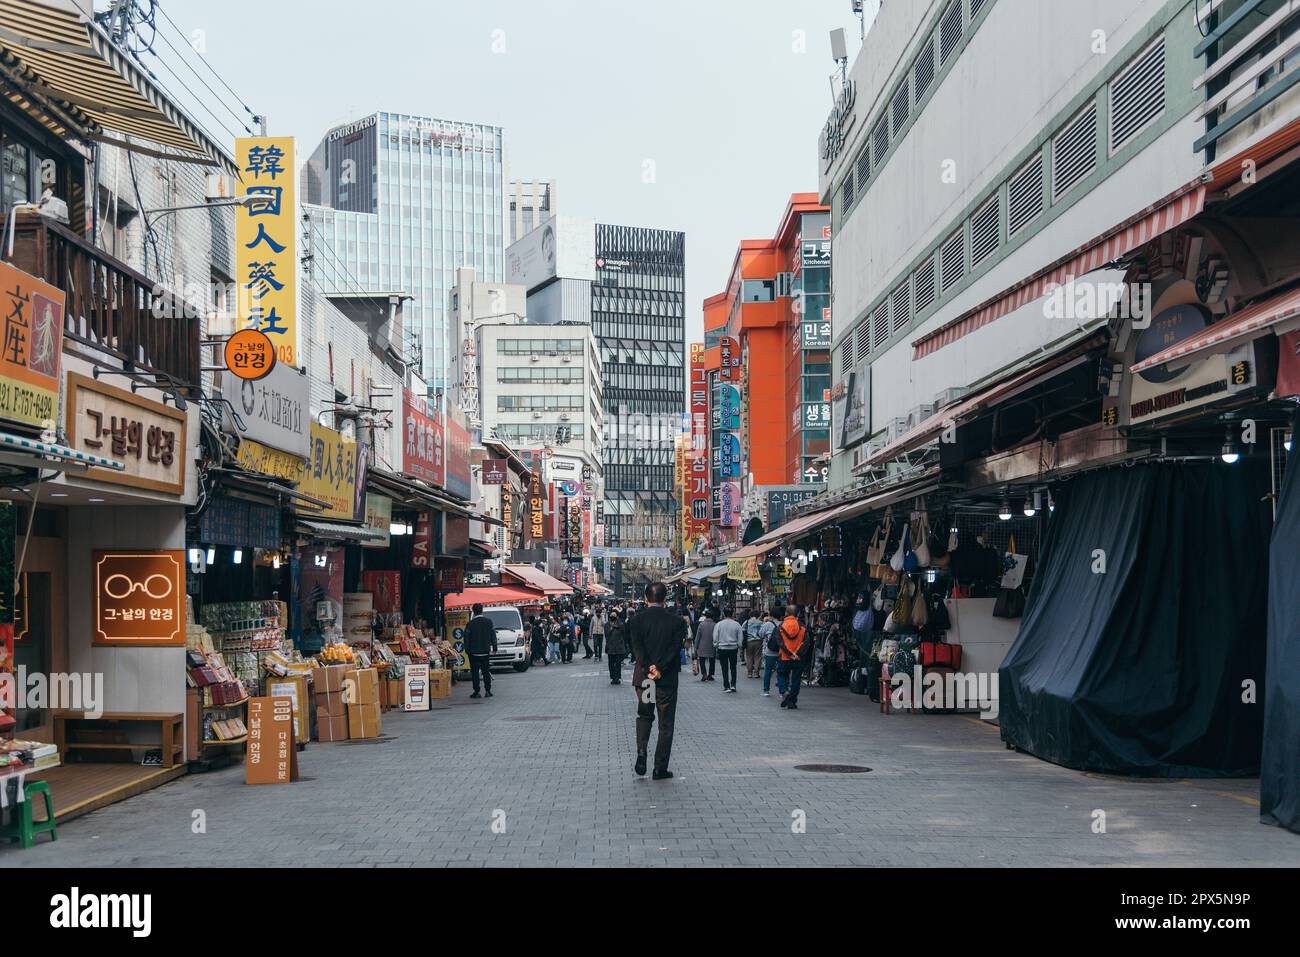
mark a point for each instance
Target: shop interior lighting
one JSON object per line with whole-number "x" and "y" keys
{"x": 1231, "y": 453}
{"x": 275, "y": 562}
{"x": 1004, "y": 510}
{"x": 320, "y": 561}
{"x": 238, "y": 556}
{"x": 212, "y": 556}
{"x": 1051, "y": 503}
{"x": 1286, "y": 443}
{"x": 1033, "y": 504}
{"x": 194, "y": 555}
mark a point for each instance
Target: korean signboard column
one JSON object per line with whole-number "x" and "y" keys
{"x": 266, "y": 243}
{"x": 698, "y": 453}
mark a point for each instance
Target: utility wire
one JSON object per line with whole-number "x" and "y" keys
{"x": 239, "y": 99}
{"x": 219, "y": 98}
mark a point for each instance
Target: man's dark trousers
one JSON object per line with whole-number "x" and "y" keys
{"x": 481, "y": 663}
{"x": 664, "y": 706}
{"x": 615, "y": 667}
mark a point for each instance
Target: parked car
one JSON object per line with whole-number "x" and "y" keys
{"x": 512, "y": 637}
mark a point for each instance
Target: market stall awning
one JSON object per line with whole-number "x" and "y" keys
{"x": 702, "y": 575}
{"x": 336, "y": 532}
{"x": 596, "y": 590}
{"x": 31, "y": 453}
{"x": 674, "y": 578}
{"x": 413, "y": 493}
{"x": 1168, "y": 213}
{"x": 494, "y": 595}
{"x": 538, "y": 579}
{"x": 791, "y": 528}
{"x": 930, "y": 429}
{"x": 753, "y": 551}
{"x": 1280, "y": 313}
{"x": 83, "y": 85}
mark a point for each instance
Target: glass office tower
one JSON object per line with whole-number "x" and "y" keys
{"x": 638, "y": 313}
{"x": 396, "y": 203}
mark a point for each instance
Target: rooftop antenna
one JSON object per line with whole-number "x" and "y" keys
{"x": 840, "y": 53}
{"x": 861, "y": 14}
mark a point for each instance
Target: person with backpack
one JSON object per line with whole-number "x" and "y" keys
{"x": 792, "y": 640}
{"x": 705, "y": 653}
{"x": 771, "y": 652}
{"x": 753, "y": 645}
{"x": 615, "y": 646}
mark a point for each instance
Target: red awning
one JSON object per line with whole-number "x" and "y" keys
{"x": 495, "y": 595}
{"x": 1242, "y": 326}
{"x": 928, "y": 430}
{"x": 1172, "y": 211}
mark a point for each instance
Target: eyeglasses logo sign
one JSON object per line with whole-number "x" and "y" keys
{"x": 138, "y": 598}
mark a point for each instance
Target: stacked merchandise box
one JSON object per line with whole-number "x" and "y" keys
{"x": 440, "y": 683}
{"x": 328, "y": 704}
{"x": 362, "y": 702}
{"x": 244, "y": 631}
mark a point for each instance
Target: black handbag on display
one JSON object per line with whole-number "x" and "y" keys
{"x": 1010, "y": 603}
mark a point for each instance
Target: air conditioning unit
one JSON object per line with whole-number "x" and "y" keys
{"x": 950, "y": 396}
{"x": 564, "y": 417}
{"x": 534, "y": 358}
{"x": 537, "y": 415}
{"x": 920, "y": 414}
{"x": 568, "y": 358}
{"x": 896, "y": 428}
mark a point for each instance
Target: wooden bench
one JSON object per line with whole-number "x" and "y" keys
{"x": 170, "y": 738}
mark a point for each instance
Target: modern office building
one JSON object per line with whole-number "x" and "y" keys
{"x": 472, "y": 302}
{"x": 628, "y": 283}
{"x": 638, "y": 313}
{"x": 396, "y": 204}
{"x": 532, "y": 202}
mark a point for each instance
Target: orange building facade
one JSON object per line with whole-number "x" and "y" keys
{"x": 767, "y": 365}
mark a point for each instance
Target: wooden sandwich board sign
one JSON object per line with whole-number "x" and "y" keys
{"x": 272, "y": 749}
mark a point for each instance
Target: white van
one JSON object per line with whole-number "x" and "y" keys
{"x": 512, "y": 637}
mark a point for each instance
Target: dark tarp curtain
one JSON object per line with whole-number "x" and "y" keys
{"x": 1279, "y": 786}
{"x": 1140, "y": 670}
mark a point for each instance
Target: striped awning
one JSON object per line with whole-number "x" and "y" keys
{"x": 1169, "y": 213}
{"x": 336, "y": 532}
{"x": 1258, "y": 319}
{"x": 41, "y": 450}
{"x": 59, "y": 62}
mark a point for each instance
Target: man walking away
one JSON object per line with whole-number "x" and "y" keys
{"x": 480, "y": 644}
{"x": 583, "y": 624}
{"x": 655, "y": 635}
{"x": 704, "y": 650}
{"x": 727, "y": 639}
{"x": 598, "y": 630}
{"x": 568, "y": 638}
{"x": 771, "y": 653}
{"x": 753, "y": 645}
{"x": 616, "y": 647}
{"x": 793, "y": 638}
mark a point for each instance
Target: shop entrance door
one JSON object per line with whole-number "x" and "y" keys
{"x": 40, "y": 617}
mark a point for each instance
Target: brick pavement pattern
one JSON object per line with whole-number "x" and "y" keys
{"x": 943, "y": 790}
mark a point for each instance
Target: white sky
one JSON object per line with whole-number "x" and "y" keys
{"x": 724, "y": 97}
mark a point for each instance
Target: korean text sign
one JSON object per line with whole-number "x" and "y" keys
{"x": 32, "y": 345}
{"x": 138, "y": 598}
{"x": 332, "y": 473}
{"x": 266, "y": 245}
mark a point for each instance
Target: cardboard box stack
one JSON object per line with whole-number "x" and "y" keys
{"x": 363, "y": 703}
{"x": 439, "y": 683}
{"x": 327, "y": 700}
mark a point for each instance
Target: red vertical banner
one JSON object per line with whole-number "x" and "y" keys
{"x": 697, "y": 455}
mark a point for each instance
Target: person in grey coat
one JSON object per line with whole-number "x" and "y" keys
{"x": 704, "y": 650}
{"x": 615, "y": 646}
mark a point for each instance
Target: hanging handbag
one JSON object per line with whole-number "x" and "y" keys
{"x": 920, "y": 613}
{"x": 1010, "y": 603}
{"x": 1013, "y": 566}
{"x": 921, "y": 541}
{"x": 876, "y": 549}
{"x": 940, "y": 620}
{"x": 902, "y": 613}
{"x": 901, "y": 557}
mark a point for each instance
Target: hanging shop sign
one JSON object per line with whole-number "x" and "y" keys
{"x": 385, "y": 588}
{"x": 256, "y": 457}
{"x": 494, "y": 472}
{"x": 422, "y": 541}
{"x": 778, "y": 502}
{"x": 729, "y": 356}
{"x": 743, "y": 569}
{"x": 138, "y": 598}
{"x": 332, "y": 472}
{"x": 726, "y": 411}
{"x": 507, "y": 509}
{"x": 239, "y": 522}
{"x": 816, "y": 415}
{"x": 272, "y": 751}
{"x": 148, "y": 437}
{"x": 729, "y": 456}
{"x": 1288, "y": 364}
{"x": 1160, "y": 392}
{"x": 458, "y": 478}
{"x": 272, "y": 410}
{"x": 455, "y": 535}
{"x": 423, "y": 451}
{"x": 449, "y": 575}
{"x": 32, "y": 347}
{"x": 815, "y": 254}
{"x": 266, "y": 242}
{"x": 850, "y": 411}
{"x": 249, "y": 354}
{"x": 482, "y": 579}
{"x": 817, "y": 332}
{"x": 379, "y": 516}
{"x": 536, "y": 527}
{"x": 730, "y": 502}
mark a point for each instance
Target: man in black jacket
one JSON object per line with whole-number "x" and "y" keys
{"x": 656, "y": 636}
{"x": 480, "y": 644}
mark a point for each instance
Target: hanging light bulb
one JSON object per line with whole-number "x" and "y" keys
{"x": 1033, "y": 504}
{"x": 238, "y": 556}
{"x": 275, "y": 561}
{"x": 1051, "y": 503}
{"x": 1004, "y": 511}
{"x": 1286, "y": 444}
{"x": 1231, "y": 453}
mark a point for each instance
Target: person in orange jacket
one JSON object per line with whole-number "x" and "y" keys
{"x": 792, "y": 640}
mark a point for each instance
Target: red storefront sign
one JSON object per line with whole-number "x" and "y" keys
{"x": 423, "y": 441}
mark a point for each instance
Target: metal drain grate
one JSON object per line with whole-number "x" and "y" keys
{"x": 833, "y": 768}
{"x": 537, "y": 717}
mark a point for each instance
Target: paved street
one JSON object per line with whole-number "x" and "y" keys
{"x": 553, "y": 750}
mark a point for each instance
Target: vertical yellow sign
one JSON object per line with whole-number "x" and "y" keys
{"x": 266, "y": 241}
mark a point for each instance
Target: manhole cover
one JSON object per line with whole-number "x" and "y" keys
{"x": 382, "y": 739}
{"x": 536, "y": 717}
{"x": 833, "y": 768}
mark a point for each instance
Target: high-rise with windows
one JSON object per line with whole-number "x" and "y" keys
{"x": 395, "y": 204}
{"x": 638, "y": 313}
{"x": 532, "y": 202}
